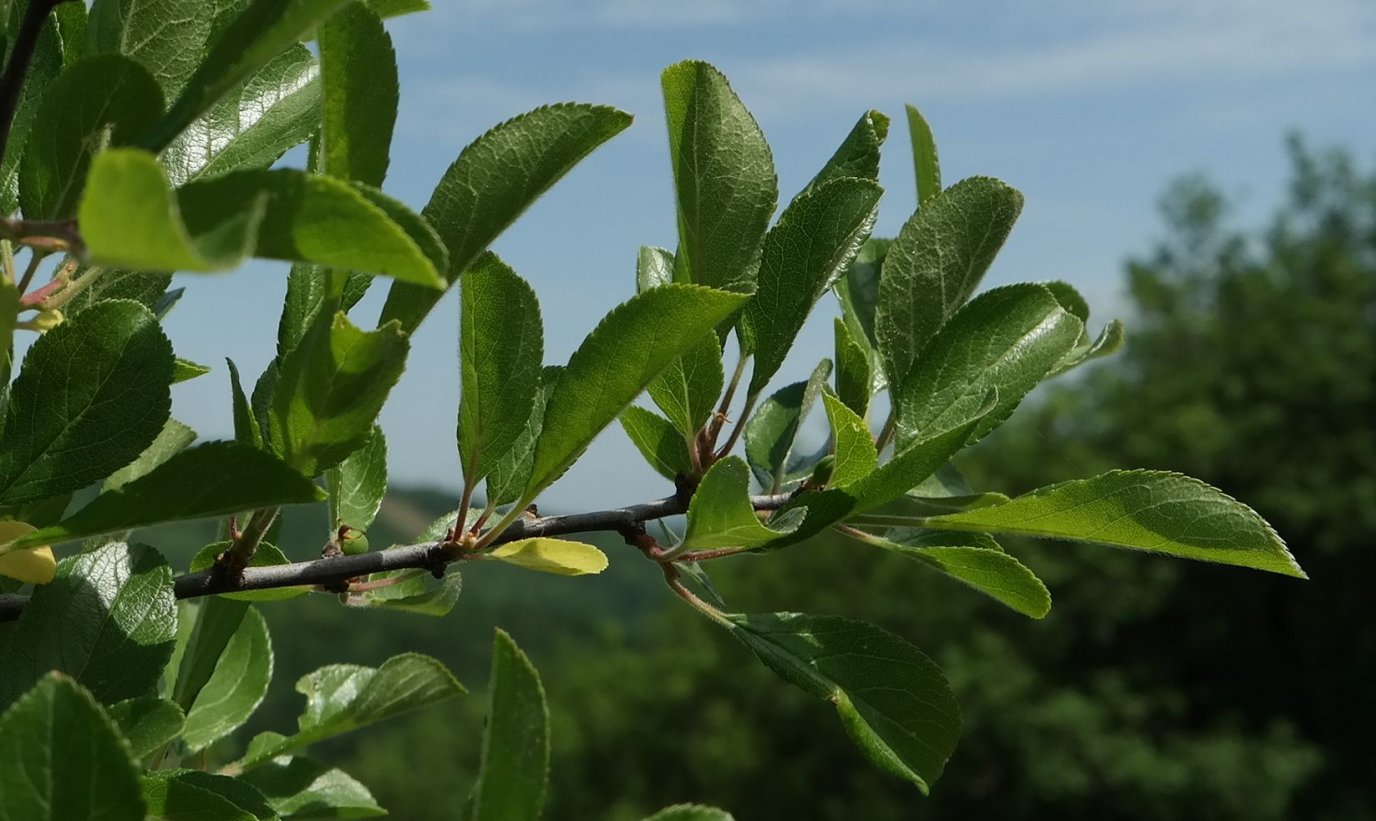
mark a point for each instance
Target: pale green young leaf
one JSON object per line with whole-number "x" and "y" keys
{"x": 978, "y": 562}
{"x": 600, "y": 380}
{"x": 720, "y": 514}
{"x": 258, "y": 34}
{"x": 515, "y": 759}
{"x": 345, "y": 697}
{"x": 657, "y": 439}
{"x": 61, "y": 758}
{"x": 856, "y": 456}
{"x": 192, "y": 795}
{"x": 1141, "y": 510}
{"x": 213, "y": 479}
{"x": 691, "y": 812}
{"x": 934, "y": 265}
{"x": 653, "y": 267}
{"x": 173, "y": 439}
{"x": 99, "y": 99}
{"x": 91, "y": 396}
{"x": 236, "y": 687}
{"x": 926, "y": 165}
{"x": 771, "y": 432}
{"x": 253, "y": 126}
{"x": 141, "y": 31}
{"x": 509, "y": 475}
{"x": 108, "y": 620}
{"x": 356, "y": 485}
{"x": 358, "y": 68}
{"x": 330, "y": 390}
{"x": 560, "y": 557}
{"x": 494, "y": 180}
{"x": 688, "y": 390}
{"x": 501, "y": 349}
{"x": 313, "y": 218}
{"x": 811, "y": 245}
{"x": 147, "y": 723}
{"x": 724, "y": 179}
{"x": 1007, "y": 340}
{"x": 893, "y": 701}
{"x": 299, "y": 787}
{"x": 854, "y": 372}
{"x": 130, "y": 218}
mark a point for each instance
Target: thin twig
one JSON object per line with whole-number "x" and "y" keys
{"x": 12, "y": 81}
{"x": 430, "y": 556}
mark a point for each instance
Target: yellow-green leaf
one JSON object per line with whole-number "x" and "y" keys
{"x": 557, "y": 556}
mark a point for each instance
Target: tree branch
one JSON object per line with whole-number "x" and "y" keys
{"x": 431, "y": 556}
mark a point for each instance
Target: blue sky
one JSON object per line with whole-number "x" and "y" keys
{"x": 1088, "y": 107}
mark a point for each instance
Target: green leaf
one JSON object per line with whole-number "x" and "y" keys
{"x": 47, "y": 62}
{"x": 91, "y": 396}
{"x": 345, "y": 697}
{"x": 976, "y": 560}
{"x": 217, "y": 620}
{"x": 61, "y": 758}
{"x": 658, "y": 441}
{"x": 894, "y": 702}
{"x": 246, "y": 431}
{"x": 1141, "y": 510}
{"x": 130, "y": 218}
{"x": 653, "y": 267}
{"x": 915, "y": 461}
{"x": 71, "y": 20}
{"x": 720, "y": 514}
{"x": 97, "y": 285}
{"x": 213, "y": 479}
{"x": 856, "y": 456}
{"x": 396, "y": 8}
{"x": 1108, "y": 342}
{"x": 812, "y": 244}
{"x": 356, "y": 485}
{"x": 771, "y": 432}
{"x": 515, "y": 762}
{"x": 267, "y": 555}
{"x": 184, "y": 370}
{"x": 939, "y": 258}
{"x": 420, "y": 593}
{"x": 925, "y": 163}
{"x": 1009, "y": 339}
{"x": 854, "y": 374}
{"x": 359, "y": 70}
{"x": 509, "y": 475}
{"x": 142, "y": 31}
{"x": 558, "y": 556}
{"x": 147, "y": 723}
{"x": 858, "y": 291}
{"x": 173, "y": 439}
{"x": 254, "y": 125}
{"x": 494, "y": 180}
{"x": 9, "y": 314}
{"x": 658, "y": 325}
{"x": 300, "y": 787}
{"x": 330, "y": 391}
{"x": 858, "y": 155}
{"x": 691, "y": 812}
{"x": 109, "y": 620}
{"x": 501, "y": 348}
{"x": 99, "y": 96}
{"x": 237, "y": 686}
{"x": 251, "y": 41}
{"x": 192, "y": 795}
{"x": 688, "y": 389}
{"x": 723, "y": 177}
